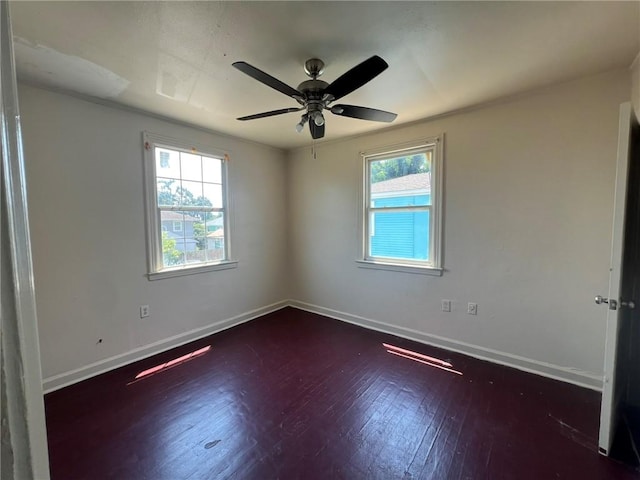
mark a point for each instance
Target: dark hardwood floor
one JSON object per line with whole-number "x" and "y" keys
{"x": 295, "y": 395}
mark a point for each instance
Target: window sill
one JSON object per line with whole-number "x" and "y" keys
{"x": 179, "y": 272}
{"x": 398, "y": 267}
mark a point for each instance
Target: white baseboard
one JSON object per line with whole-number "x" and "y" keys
{"x": 565, "y": 374}
{"x": 56, "y": 382}
{"x": 569, "y": 375}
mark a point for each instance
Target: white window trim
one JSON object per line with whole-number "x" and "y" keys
{"x": 153, "y": 222}
{"x": 434, "y": 266}
{"x": 177, "y": 222}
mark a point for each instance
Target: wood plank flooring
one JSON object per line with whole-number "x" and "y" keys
{"x": 293, "y": 395}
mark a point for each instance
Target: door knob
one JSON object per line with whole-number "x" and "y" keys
{"x": 613, "y": 304}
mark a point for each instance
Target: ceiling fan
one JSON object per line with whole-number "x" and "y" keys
{"x": 315, "y": 95}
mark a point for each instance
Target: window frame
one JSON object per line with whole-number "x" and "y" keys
{"x": 153, "y": 221}
{"x": 433, "y": 265}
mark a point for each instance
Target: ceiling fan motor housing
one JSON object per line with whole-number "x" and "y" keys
{"x": 314, "y": 100}
{"x": 311, "y": 87}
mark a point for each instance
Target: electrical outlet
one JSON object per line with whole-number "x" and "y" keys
{"x": 472, "y": 308}
{"x": 446, "y": 305}
{"x": 144, "y": 311}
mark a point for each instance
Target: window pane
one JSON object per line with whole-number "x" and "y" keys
{"x": 170, "y": 219}
{"x": 192, "y": 253}
{"x": 215, "y": 238}
{"x": 167, "y": 189}
{"x": 200, "y": 232}
{"x": 199, "y": 217}
{"x": 177, "y": 225}
{"x": 167, "y": 163}
{"x": 172, "y": 254}
{"x": 191, "y": 167}
{"x": 211, "y": 170}
{"x": 215, "y": 222}
{"x": 402, "y": 235}
{"x": 183, "y": 179}
{"x": 393, "y": 199}
{"x": 213, "y": 193}
{"x": 401, "y": 181}
{"x": 191, "y": 191}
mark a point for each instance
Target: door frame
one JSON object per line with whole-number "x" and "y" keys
{"x": 19, "y": 345}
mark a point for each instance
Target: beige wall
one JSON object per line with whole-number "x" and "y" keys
{"x": 528, "y": 201}
{"x": 528, "y": 209}
{"x": 84, "y": 174}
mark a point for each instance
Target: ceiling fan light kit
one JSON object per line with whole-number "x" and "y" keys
{"x": 315, "y": 95}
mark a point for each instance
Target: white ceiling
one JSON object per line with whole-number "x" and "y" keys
{"x": 174, "y": 58}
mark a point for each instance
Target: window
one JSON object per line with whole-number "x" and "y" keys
{"x": 402, "y": 208}
{"x": 186, "y": 190}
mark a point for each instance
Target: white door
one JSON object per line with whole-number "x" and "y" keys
{"x": 612, "y": 390}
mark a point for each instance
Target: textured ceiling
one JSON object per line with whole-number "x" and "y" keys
{"x": 174, "y": 58}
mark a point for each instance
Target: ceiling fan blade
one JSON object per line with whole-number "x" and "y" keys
{"x": 363, "y": 113}
{"x": 316, "y": 131}
{"x": 267, "y": 79}
{"x": 356, "y": 77}
{"x": 271, "y": 113}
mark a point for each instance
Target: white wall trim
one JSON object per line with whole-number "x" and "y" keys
{"x": 565, "y": 374}
{"x": 56, "y": 382}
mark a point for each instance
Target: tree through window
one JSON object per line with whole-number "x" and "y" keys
{"x": 187, "y": 205}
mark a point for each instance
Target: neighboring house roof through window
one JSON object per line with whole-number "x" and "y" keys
{"x": 167, "y": 215}
{"x": 415, "y": 181}
{"x": 216, "y": 222}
